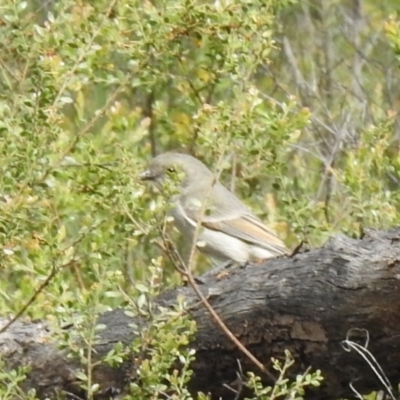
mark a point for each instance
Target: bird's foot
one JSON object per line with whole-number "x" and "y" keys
{"x": 220, "y": 270}
{"x": 256, "y": 261}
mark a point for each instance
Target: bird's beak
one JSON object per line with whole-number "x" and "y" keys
{"x": 146, "y": 175}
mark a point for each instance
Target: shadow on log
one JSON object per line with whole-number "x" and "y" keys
{"x": 306, "y": 304}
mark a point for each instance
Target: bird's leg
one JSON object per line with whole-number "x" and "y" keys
{"x": 246, "y": 264}
{"x": 219, "y": 269}
{"x": 226, "y": 264}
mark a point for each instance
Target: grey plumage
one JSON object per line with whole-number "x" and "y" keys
{"x": 230, "y": 231}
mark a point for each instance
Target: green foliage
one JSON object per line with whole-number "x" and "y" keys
{"x": 88, "y": 90}
{"x": 10, "y": 383}
{"x": 167, "y": 370}
{"x": 284, "y": 388}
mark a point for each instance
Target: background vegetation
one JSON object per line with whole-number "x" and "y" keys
{"x": 299, "y": 100}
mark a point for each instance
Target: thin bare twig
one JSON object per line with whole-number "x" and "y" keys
{"x": 39, "y": 290}
{"x": 148, "y": 113}
{"x": 184, "y": 270}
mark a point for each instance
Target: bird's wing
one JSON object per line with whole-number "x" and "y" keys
{"x": 227, "y": 214}
{"x": 251, "y": 230}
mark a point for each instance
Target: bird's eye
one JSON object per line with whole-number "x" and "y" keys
{"x": 171, "y": 169}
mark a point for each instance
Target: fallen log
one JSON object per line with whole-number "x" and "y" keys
{"x": 308, "y": 304}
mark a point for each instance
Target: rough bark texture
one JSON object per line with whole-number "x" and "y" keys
{"x": 306, "y": 304}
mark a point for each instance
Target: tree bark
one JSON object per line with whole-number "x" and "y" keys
{"x": 307, "y": 304}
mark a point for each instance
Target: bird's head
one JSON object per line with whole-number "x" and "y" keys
{"x": 177, "y": 167}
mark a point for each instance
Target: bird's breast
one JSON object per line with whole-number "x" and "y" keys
{"x": 181, "y": 221}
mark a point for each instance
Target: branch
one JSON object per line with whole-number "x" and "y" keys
{"x": 307, "y": 304}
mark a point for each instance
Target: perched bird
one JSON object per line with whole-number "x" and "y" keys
{"x": 229, "y": 231}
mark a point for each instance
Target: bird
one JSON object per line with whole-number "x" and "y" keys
{"x": 229, "y": 231}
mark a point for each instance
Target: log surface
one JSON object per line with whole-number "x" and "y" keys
{"x": 307, "y": 304}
